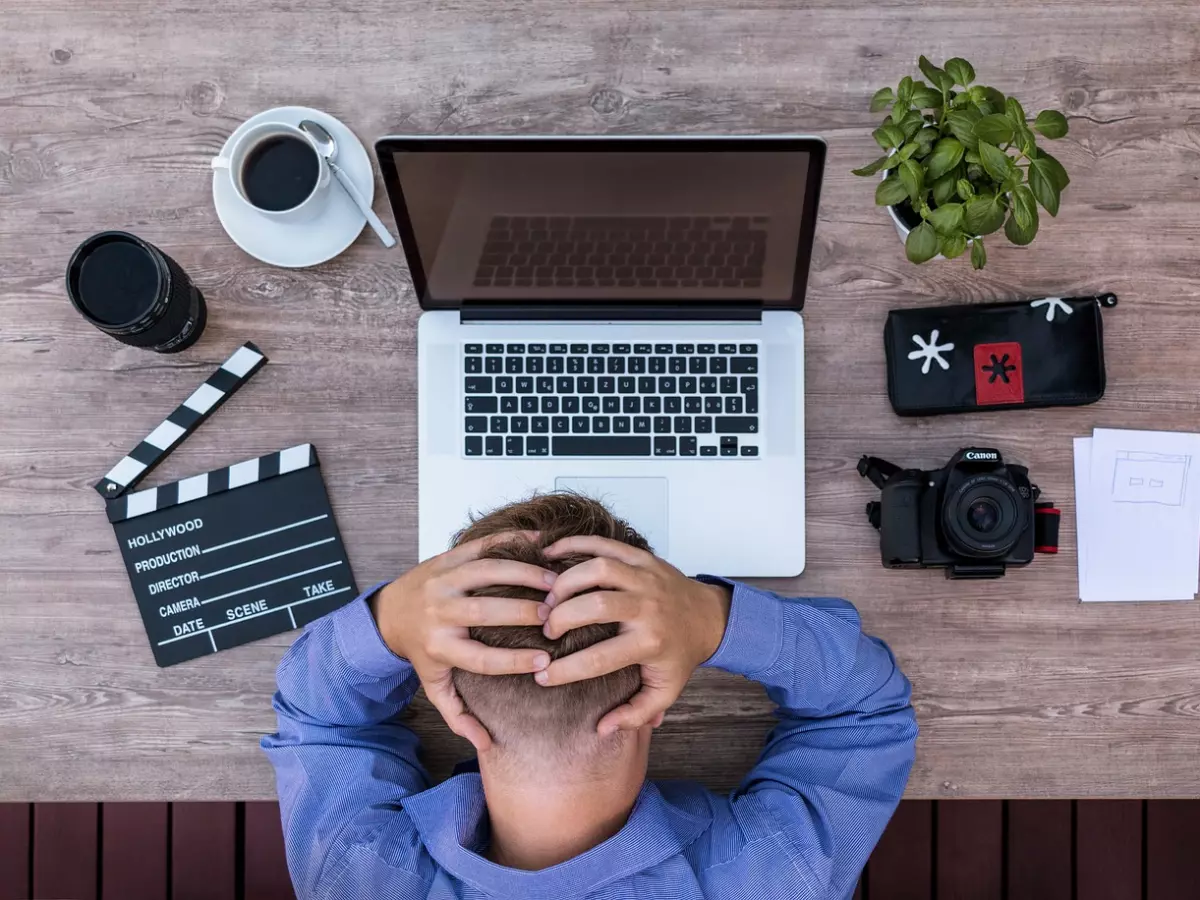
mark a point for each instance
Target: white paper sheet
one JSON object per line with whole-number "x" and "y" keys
{"x": 1137, "y": 500}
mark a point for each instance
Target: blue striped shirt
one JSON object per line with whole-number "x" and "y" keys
{"x": 362, "y": 820}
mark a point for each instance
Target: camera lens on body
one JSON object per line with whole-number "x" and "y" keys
{"x": 984, "y": 517}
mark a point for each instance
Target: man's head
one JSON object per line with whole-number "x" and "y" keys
{"x": 523, "y": 717}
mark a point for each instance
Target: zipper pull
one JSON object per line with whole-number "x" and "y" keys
{"x": 1107, "y": 300}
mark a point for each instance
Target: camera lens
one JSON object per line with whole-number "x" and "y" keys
{"x": 984, "y": 517}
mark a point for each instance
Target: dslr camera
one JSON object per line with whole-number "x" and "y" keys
{"x": 974, "y": 517}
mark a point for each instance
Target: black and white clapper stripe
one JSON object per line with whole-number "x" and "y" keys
{"x": 250, "y": 471}
{"x": 189, "y": 415}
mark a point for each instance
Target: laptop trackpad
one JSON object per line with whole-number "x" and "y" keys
{"x": 642, "y": 502}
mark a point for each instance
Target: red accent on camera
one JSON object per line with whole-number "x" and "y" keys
{"x": 999, "y": 374}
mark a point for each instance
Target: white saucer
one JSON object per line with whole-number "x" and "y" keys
{"x": 294, "y": 245}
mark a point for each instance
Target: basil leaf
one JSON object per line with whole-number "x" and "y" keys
{"x": 912, "y": 176}
{"x": 890, "y": 191}
{"x": 926, "y": 98}
{"x": 882, "y": 99}
{"x": 912, "y": 122}
{"x": 944, "y": 188}
{"x": 945, "y": 156}
{"x": 904, "y": 93}
{"x": 1051, "y": 124}
{"x": 922, "y": 243}
{"x": 1044, "y": 189}
{"x": 1015, "y": 112}
{"x": 1053, "y": 169}
{"x": 953, "y": 246}
{"x": 965, "y": 189}
{"x": 1018, "y": 235}
{"x": 1025, "y": 209}
{"x": 994, "y": 129}
{"x": 960, "y": 70}
{"x": 877, "y": 166}
{"x": 907, "y": 151}
{"x": 947, "y": 219}
{"x": 997, "y": 163}
{"x": 984, "y": 214}
{"x": 978, "y": 254}
{"x": 962, "y": 126}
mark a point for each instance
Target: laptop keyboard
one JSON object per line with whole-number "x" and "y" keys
{"x": 605, "y": 400}
{"x": 609, "y": 251}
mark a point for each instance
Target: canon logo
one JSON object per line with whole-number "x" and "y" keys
{"x": 980, "y": 455}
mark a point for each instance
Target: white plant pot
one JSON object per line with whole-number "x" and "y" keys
{"x": 902, "y": 229}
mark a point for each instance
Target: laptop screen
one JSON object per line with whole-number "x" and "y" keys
{"x": 605, "y": 220}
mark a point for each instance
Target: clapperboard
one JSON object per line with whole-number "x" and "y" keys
{"x": 228, "y": 556}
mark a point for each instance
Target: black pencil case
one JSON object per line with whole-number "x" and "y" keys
{"x": 1028, "y": 353}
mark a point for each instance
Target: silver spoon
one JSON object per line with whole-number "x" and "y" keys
{"x": 327, "y": 147}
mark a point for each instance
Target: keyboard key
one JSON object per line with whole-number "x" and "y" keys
{"x": 662, "y": 424}
{"x": 641, "y": 424}
{"x": 749, "y": 385}
{"x": 495, "y": 348}
{"x": 494, "y": 445}
{"x": 560, "y": 424}
{"x": 664, "y": 446}
{"x": 475, "y": 424}
{"x": 479, "y": 384}
{"x": 558, "y": 348}
{"x": 749, "y": 451}
{"x": 703, "y": 424}
{"x": 514, "y": 365}
{"x": 698, "y": 365}
{"x": 727, "y": 348}
{"x": 555, "y": 364}
{"x": 637, "y": 365}
{"x": 620, "y": 348}
{"x": 708, "y": 385}
{"x": 537, "y": 446}
{"x": 545, "y": 384}
{"x": 499, "y": 425}
{"x": 672, "y": 405}
{"x": 595, "y": 365}
{"x": 514, "y": 445}
{"x": 733, "y": 406}
{"x": 508, "y": 404}
{"x": 706, "y": 348}
{"x": 729, "y": 385}
{"x": 575, "y": 364}
{"x": 682, "y": 425}
{"x": 474, "y": 445}
{"x": 579, "y": 348}
{"x": 529, "y": 404}
{"x": 611, "y": 404}
{"x": 692, "y": 404}
{"x": 616, "y": 365}
{"x": 652, "y": 405}
{"x": 687, "y": 444}
{"x": 581, "y": 424}
{"x": 752, "y": 403}
{"x": 632, "y": 405}
{"x": 585, "y": 384}
{"x": 606, "y": 384}
{"x": 642, "y": 348}
{"x": 504, "y": 384}
{"x": 708, "y": 451}
{"x": 736, "y": 425}
{"x": 540, "y": 424}
{"x": 666, "y": 385}
{"x": 537, "y": 348}
{"x": 564, "y": 384}
{"x": 658, "y": 365}
{"x": 713, "y": 405}
{"x": 743, "y": 365}
{"x": 601, "y": 424}
{"x": 600, "y": 446}
{"x": 748, "y": 348}
{"x": 663, "y": 348}
{"x": 570, "y": 405}
{"x": 519, "y": 424}
{"x": 473, "y": 348}
{"x": 718, "y": 365}
{"x": 494, "y": 365}
{"x": 601, "y": 348}
{"x": 677, "y": 365}
{"x": 591, "y": 404}
{"x": 646, "y": 385}
{"x": 685, "y": 348}
{"x": 481, "y": 404}
{"x": 729, "y": 446}
{"x": 473, "y": 365}
{"x": 687, "y": 384}
{"x": 535, "y": 365}
{"x": 524, "y": 385}
{"x": 626, "y": 384}
{"x": 515, "y": 348}
{"x": 621, "y": 424}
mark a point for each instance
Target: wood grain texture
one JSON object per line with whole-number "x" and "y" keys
{"x": 110, "y": 113}
{"x": 1039, "y": 849}
{"x": 1171, "y": 830}
{"x": 264, "y": 861}
{"x": 14, "y": 850}
{"x": 1108, "y": 849}
{"x": 901, "y": 866}
{"x": 134, "y": 853}
{"x": 65, "y": 848}
{"x": 970, "y": 850}
{"x": 204, "y": 851}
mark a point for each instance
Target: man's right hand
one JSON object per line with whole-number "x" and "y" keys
{"x": 669, "y": 624}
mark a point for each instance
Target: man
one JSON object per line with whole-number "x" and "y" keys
{"x": 553, "y": 640}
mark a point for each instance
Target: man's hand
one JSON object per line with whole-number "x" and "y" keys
{"x": 669, "y": 624}
{"x": 424, "y": 615}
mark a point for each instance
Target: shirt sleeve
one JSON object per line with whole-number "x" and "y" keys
{"x": 339, "y": 754}
{"x": 835, "y": 766}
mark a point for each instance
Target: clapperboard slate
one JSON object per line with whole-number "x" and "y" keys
{"x": 228, "y": 556}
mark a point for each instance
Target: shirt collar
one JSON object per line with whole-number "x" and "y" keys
{"x": 450, "y": 820}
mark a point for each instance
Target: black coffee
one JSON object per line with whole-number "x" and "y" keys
{"x": 118, "y": 282}
{"x": 280, "y": 172}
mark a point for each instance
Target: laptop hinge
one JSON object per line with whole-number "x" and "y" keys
{"x": 492, "y": 311}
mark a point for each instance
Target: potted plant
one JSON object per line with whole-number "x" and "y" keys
{"x": 961, "y": 161}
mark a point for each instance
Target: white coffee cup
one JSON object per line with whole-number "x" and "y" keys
{"x": 233, "y": 165}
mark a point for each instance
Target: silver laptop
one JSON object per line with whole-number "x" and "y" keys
{"x": 618, "y": 317}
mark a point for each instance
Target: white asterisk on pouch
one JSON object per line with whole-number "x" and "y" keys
{"x": 930, "y": 352}
{"x": 1052, "y": 304}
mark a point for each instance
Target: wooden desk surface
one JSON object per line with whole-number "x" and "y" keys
{"x": 108, "y": 116}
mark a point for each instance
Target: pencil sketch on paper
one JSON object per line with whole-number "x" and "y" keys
{"x": 1145, "y": 477}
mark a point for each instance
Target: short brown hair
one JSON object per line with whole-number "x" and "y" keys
{"x": 516, "y": 710}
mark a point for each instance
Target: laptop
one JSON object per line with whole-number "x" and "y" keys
{"x": 619, "y": 317}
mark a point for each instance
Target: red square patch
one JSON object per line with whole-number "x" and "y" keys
{"x": 999, "y": 374}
